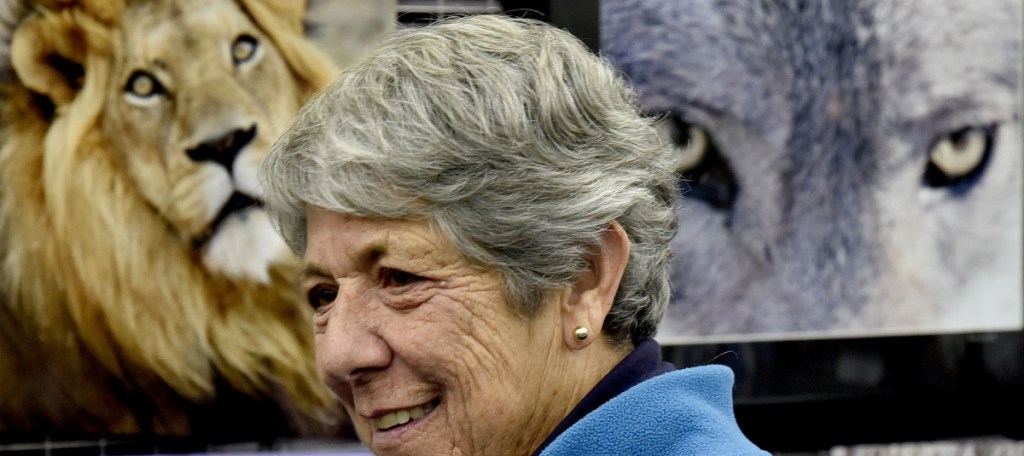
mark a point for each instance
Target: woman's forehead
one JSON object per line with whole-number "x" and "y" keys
{"x": 364, "y": 240}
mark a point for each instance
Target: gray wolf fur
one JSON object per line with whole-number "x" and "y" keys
{"x": 827, "y": 201}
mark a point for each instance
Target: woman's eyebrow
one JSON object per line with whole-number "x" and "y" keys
{"x": 364, "y": 258}
{"x": 312, "y": 270}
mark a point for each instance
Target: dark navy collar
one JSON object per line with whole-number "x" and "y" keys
{"x": 643, "y": 363}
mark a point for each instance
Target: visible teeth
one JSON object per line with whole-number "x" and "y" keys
{"x": 400, "y": 417}
{"x": 386, "y": 421}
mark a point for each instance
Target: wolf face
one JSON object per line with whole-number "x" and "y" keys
{"x": 850, "y": 167}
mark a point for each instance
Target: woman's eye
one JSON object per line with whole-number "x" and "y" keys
{"x": 958, "y": 156}
{"x": 321, "y": 295}
{"x": 143, "y": 85}
{"x": 398, "y": 278}
{"x": 244, "y": 48}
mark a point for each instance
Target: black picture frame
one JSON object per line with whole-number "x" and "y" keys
{"x": 811, "y": 395}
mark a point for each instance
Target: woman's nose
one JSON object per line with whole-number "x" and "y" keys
{"x": 350, "y": 348}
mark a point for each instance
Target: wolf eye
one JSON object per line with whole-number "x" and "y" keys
{"x": 321, "y": 295}
{"x": 244, "y": 48}
{"x": 958, "y": 156}
{"x": 143, "y": 85}
{"x": 706, "y": 174}
{"x": 689, "y": 141}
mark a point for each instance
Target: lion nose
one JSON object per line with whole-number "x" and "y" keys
{"x": 223, "y": 149}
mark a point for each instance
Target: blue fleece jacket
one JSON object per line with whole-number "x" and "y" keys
{"x": 687, "y": 412}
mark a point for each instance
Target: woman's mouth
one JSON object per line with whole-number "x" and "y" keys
{"x": 401, "y": 417}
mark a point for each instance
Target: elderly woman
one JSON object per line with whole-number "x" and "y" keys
{"x": 486, "y": 218}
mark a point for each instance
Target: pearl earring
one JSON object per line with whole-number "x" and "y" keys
{"x": 581, "y": 333}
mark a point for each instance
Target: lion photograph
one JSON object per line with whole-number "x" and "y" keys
{"x": 143, "y": 288}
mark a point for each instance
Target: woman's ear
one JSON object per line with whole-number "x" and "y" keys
{"x": 593, "y": 293}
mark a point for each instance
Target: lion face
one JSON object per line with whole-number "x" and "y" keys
{"x": 143, "y": 289}
{"x": 198, "y": 94}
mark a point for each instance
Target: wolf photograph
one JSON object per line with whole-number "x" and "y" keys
{"x": 848, "y": 168}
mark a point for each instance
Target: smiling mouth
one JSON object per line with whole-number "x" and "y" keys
{"x": 402, "y": 417}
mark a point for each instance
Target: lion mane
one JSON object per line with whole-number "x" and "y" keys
{"x": 113, "y": 317}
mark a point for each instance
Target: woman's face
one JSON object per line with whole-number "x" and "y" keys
{"x": 422, "y": 348}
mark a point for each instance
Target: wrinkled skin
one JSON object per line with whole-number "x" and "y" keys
{"x": 434, "y": 333}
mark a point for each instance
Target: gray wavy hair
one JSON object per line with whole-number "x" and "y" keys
{"x": 514, "y": 141}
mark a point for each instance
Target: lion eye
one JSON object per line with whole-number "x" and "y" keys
{"x": 244, "y": 48}
{"x": 143, "y": 85}
{"x": 958, "y": 156}
{"x": 705, "y": 173}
